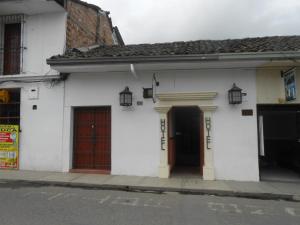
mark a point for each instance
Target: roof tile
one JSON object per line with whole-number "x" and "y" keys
{"x": 260, "y": 44}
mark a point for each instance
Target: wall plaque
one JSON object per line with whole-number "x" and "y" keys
{"x": 247, "y": 112}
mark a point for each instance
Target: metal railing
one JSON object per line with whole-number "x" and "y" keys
{"x": 18, "y": 51}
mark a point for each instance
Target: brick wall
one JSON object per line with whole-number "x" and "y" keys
{"x": 86, "y": 26}
{"x": 106, "y": 30}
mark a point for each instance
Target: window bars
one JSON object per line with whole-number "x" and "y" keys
{"x": 11, "y": 19}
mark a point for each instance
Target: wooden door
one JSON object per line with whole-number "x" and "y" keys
{"x": 12, "y": 48}
{"x": 201, "y": 142}
{"x": 171, "y": 140}
{"x": 92, "y": 139}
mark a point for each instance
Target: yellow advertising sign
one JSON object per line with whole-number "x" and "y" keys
{"x": 9, "y": 146}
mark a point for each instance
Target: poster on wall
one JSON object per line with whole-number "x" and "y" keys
{"x": 9, "y": 146}
{"x": 290, "y": 84}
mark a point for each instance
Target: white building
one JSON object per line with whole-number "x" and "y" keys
{"x": 189, "y": 125}
{"x": 30, "y": 32}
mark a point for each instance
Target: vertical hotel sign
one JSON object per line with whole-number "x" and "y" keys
{"x": 9, "y": 146}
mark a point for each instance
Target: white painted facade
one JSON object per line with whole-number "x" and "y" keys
{"x": 136, "y": 130}
{"x": 41, "y": 130}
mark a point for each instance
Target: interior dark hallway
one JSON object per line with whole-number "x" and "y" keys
{"x": 279, "y": 131}
{"x": 185, "y": 131}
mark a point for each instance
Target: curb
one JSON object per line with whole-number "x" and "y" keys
{"x": 155, "y": 190}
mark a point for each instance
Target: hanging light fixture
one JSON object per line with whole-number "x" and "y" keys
{"x": 126, "y": 97}
{"x": 235, "y": 95}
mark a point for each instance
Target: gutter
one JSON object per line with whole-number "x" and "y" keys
{"x": 28, "y": 78}
{"x": 177, "y": 58}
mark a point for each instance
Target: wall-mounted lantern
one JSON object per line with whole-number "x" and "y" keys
{"x": 151, "y": 92}
{"x": 148, "y": 92}
{"x": 235, "y": 95}
{"x": 126, "y": 97}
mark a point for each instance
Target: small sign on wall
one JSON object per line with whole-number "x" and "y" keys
{"x": 247, "y": 112}
{"x": 290, "y": 84}
{"x": 33, "y": 93}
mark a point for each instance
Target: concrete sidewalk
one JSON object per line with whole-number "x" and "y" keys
{"x": 186, "y": 185}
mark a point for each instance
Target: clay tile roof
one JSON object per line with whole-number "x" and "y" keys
{"x": 246, "y": 45}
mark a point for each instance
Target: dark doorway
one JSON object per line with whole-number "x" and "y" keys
{"x": 185, "y": 142}
{"x": 279, "y": 142}
{"x": 12, "y": 48}
{"x": 92, "y": 140}
{"x": 10, "y": 106}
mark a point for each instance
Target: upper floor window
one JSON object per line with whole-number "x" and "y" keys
{"x": 11, "y": 51}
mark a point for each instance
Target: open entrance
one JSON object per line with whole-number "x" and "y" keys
{"x": 185, "y": 140}
{"x": 92, "y": 140}
{"x": 279, "y": 142}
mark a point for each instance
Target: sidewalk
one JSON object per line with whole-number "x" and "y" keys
{"x": 192, "y": 185}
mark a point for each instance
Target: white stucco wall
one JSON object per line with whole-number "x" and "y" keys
{"x": 135, "y": 132}
{"x": 40, "y": 145}
{"x": 41, "y": 136}
{"x": 44, "y": 36}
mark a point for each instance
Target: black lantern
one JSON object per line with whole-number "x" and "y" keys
{"x": 235, "y": 95}
{"x": 148, "y": 93}
{"x": 126, "y": 97}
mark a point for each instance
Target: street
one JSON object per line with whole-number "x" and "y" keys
{"x": 48, "y": 205}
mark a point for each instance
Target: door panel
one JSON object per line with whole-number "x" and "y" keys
{"x": 83, "y": 133}
{"x": 201, "y": 142}
{"x": 92, "y": 138}
{"x": 171, "y": 140}
{"x": 103, "y": 137}
{"x": 12, "y": 48}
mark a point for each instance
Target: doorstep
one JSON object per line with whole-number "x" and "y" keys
{"x": 91, "y": 171}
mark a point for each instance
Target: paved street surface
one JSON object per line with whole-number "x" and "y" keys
{"x": 23, "y": 204}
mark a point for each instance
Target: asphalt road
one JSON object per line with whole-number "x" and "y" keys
{"x": 22, "y": 204}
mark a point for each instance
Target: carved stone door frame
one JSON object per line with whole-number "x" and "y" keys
{"x": 204, "y": 100}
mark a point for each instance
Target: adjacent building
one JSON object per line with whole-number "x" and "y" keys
{"x": 219, "y": 109}
{"x": 30, "y": 32}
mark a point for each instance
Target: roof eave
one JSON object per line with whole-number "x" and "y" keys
{"x": 292, "y": 55}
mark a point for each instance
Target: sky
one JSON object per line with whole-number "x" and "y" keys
{"x": 154, "y": 21}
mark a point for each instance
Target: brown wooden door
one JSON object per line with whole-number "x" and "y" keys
{"x": 171, "y": 141}
{"x": 201, "y": 142}
{"x": 92, "y": 139}
{"x": 12, "y": 47}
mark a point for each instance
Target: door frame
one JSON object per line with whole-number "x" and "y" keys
{"x": 205, "y": 101}
{"x": 90, "y": 171}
